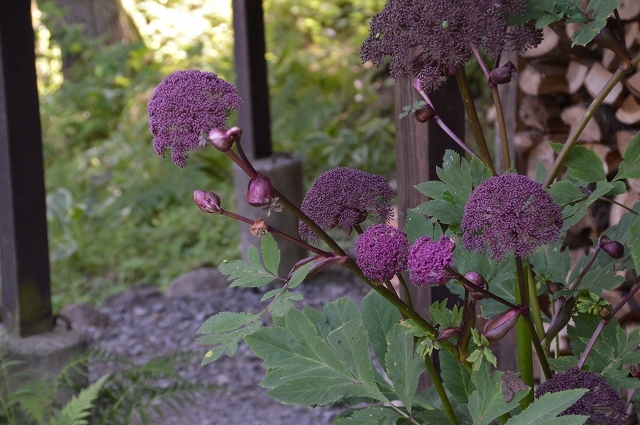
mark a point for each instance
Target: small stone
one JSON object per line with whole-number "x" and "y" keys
{"x": 82, "y": 315}
{"x": 196, "y": 282}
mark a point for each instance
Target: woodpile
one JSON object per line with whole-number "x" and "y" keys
{"x": 556, "y": 84}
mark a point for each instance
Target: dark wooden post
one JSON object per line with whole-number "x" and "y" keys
{"x": 24, "y": 253}
{"x": 251, "y": 77}
{"x": 420, "y": 148}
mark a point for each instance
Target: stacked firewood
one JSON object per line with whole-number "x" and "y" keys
{"x": 557, "y": 82}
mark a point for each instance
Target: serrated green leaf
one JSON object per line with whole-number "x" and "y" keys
{"x": 571, "y": 214}
{"x": 602, "y": 9}
{"x": 487, "y": 401}
{"x": 630, "y": 166}
{"x": 479, "y": 171}
{"x": 443, "y": 316}
{"x": 547, "y": 407}
{"x": 587, "y": 32}
{"x": 283, "y": 303}
{"x": 443, "y": 211}
{"x": 456, "y": 379}
{"x": 634, "y": 242}
{"x": 270, "y": 294}
{"x": 226, "y": 321}
{"x": 243, "y": 275}
{"x": 404, "y": 366}
{"x": 299, "y": 275}
{"x": 585, "y": 165}
{"x": 565, "y": 192}
{"x": 567, "y": 420}
{"x": 340, "y": 311}
{"x": 253, "y": 257}
{"x": 270, "y": 253}
{"x": 370, "y": 416}
{"x": 351, "y": 344}
{"x": 551, "y": 263}
{"x": 417, "y": 225}
{"x": 318, "y": 375}
{"x": 378, "y": 316}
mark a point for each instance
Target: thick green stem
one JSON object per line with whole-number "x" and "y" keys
{"x": 503, "y": 127}
{"x": 533, "y": 301}
{"x": 525, "y": 354}
{"x": 435, "y": 378}
{"x": 595, "y": 104}
{"x": 402, "y": 307}
{"x": 498, "y": 103}
{"x": 405, "y": 289}
{"x": 528, "y": 323}
{"x": 474, "y": 121}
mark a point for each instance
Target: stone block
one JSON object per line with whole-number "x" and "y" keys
{"x": 43, "y": 357}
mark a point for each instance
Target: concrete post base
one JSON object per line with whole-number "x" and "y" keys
{"x": 43, "y": 357}
{"x": 285, "y": 172}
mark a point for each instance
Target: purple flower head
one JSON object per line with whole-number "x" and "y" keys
{"x": 510, "y": 213}
{"x": 346, "y": 197}
{"x": 428, "y": 260}
{"x": 601, "y": 403}
{"x": 443, "y": 31}
{"x": 184, "y": 107}
{"x": 381, "y": 252}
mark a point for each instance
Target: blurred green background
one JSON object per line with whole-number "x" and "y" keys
{"x": 120, "y": 215}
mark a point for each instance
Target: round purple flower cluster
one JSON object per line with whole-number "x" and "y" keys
{"x": 601, "y": 403}
{"x": 381, "y": 252}
{"x": 443, "y": 31}
{"x": 510, "y": 213}
{"x": 184, "y": 107}
{"x": 428, "y": 260}
{"x": 345, "y": 197}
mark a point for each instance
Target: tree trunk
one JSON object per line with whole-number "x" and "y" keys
{"x": 104, "y": 20}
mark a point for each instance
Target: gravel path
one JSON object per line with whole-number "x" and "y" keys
{"x": 146, "y": 324}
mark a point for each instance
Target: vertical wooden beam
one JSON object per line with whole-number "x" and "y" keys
{"x": 24, "y": 253}
{"x": 420, "y": 148}
{"x": 251, "y": 74}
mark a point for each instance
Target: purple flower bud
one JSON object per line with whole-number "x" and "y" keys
{"x": 498, "y": 326}
{"x": 614, "y": 248}
{"x": 207, "y": 201}
{"x": 635, "y": 371}
{"x": 504, "y": 74}
{"x": 260, "y": 191}
{"x": 448, "y": 333}
{"x": 428, "y": 260}
{"x": 424, "y": 114}
{"x": 223, "y": 139}
{"x": 477, "y": 279}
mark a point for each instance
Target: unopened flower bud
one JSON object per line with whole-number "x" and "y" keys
{"x": 424, "y": 114}
{"x": 207, "y": 201}
{"x": 260, "y": 191}
{"x": 448, "y": 333}
{"x": 635, "y": 371}
{"x": 554, "y": 287}
{"x": 222, "y": 139}
{"x": 504, "y": 74}
{"x": 477, "y": 279}
{"x": 614, "y": 248}
{"x": 497, "y": 327}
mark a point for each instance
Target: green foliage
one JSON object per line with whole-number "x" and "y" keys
{"x": 114, "y": 399}
{"x": 546, "y": 409}
{"x": 594, "y": 18}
